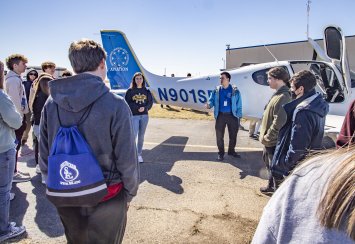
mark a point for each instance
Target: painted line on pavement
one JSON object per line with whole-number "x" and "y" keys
{"x": 199, "y": 146}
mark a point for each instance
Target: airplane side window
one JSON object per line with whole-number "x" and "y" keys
{"x": 260, "y": 76}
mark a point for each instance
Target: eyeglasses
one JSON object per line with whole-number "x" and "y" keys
{"x": 32, "y": 74}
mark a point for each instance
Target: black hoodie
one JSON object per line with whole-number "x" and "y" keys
{"x": 28, "y": 83}
{"x": 139, "y": 97}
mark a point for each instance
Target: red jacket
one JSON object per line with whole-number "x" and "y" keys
{"x": 347, "y": 132}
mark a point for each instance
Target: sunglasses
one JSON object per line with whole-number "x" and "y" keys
{"x": 32, "y": 74}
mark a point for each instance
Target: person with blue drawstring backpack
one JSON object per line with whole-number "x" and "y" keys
{"x": 88, "y": 156}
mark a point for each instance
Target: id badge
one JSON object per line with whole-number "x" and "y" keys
{"x": 225, "y": 103}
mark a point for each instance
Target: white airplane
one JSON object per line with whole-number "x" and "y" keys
{"x": 333, "y": 78}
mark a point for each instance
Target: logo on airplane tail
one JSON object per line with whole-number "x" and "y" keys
{"x": 119, "y": 59}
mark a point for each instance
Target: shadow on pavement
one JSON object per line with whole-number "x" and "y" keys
{"x": 160, "y": 160}
{"x": 18, "y": 206}
{"x": 46, "y": 218}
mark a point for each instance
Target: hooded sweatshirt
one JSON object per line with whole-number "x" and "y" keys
{"x": 107, "y": 129}
{"x": 291, "y": 215}
{"x": 16, "y": 91}
{"x": 303, "y": 131}
{"x": 28, "y": 83}
{"x": 10, "y": 120}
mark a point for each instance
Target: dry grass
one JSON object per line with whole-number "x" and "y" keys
{"x": 177, "y": 113}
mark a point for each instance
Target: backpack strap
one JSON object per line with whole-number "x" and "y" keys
{"x": 113, "y": 168}
{"x": 82, "y": 118}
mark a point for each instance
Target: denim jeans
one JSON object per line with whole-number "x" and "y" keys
{"x": 140, "y": 123}
{"x": 7, "y": 166}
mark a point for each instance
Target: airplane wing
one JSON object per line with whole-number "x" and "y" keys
{"x": 333, "y": 124}
{"x": 119, "y": 92}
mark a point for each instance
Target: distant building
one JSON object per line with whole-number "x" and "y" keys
{"x": 300, "y": 50}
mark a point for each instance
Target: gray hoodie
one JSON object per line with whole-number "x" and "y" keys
{"x": 291, "y": 214}
{"x": 10, "y": 120}
{"x": 16, "y": 91}
{"x": 108, "y": 128}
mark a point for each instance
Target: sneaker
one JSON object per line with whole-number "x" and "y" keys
{"x": 14, "y": 231}
{"x": 23, "y": 173}
{"x": 140, "y": 159}
{"x": 234, "y": 154}
{"x": 19, "y": 177}
{"x": 12, "y": 196}
{"x": 38, "y": 169}
{"x": 25, "y": 150}
{"x": 220, "y": 157}
{"x": 269, "y": 188}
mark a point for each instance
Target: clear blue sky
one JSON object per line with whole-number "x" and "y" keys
{"x": 179, "y": 35}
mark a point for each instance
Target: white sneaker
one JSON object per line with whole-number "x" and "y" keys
{"x": 14, "y": 231}
{"x": 38, "y": 169}
{"x": 12, "y": 196}
{"x": 140, "y": 159}
{"x": 20, "y": 177}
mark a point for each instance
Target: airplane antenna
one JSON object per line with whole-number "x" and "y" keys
{"x": 308, "y": 10}
{"x": 271, "y": 53}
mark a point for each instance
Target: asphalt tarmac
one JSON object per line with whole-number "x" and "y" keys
{"x": 185, "y": 194}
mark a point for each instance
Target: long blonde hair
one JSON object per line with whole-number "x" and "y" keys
{"x": 337, "y": 207}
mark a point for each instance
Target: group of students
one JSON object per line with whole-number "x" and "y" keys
{"x": 315, "y": 204}
{"x": 21, "y": 106}
{"x": 316, "y": 201}
{"x": 111, "y": 127}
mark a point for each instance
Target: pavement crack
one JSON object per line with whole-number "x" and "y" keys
{"x": 195, "y": 229}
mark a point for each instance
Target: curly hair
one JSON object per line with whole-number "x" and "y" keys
{"x": 14, "y": 59}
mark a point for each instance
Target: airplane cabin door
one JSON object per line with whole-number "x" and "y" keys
{"x": 334, "y": 43}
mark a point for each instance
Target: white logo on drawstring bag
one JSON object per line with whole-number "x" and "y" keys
{"x": 69, "y": 174}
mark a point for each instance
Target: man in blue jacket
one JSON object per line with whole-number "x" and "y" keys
{"x": 227, "y": 103}
{"x": 304, "y": 128}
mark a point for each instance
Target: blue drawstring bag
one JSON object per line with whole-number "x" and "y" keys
{"x": 75, "y": 178}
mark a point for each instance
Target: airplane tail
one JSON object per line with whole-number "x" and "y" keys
{"x": 121, "y": 61}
